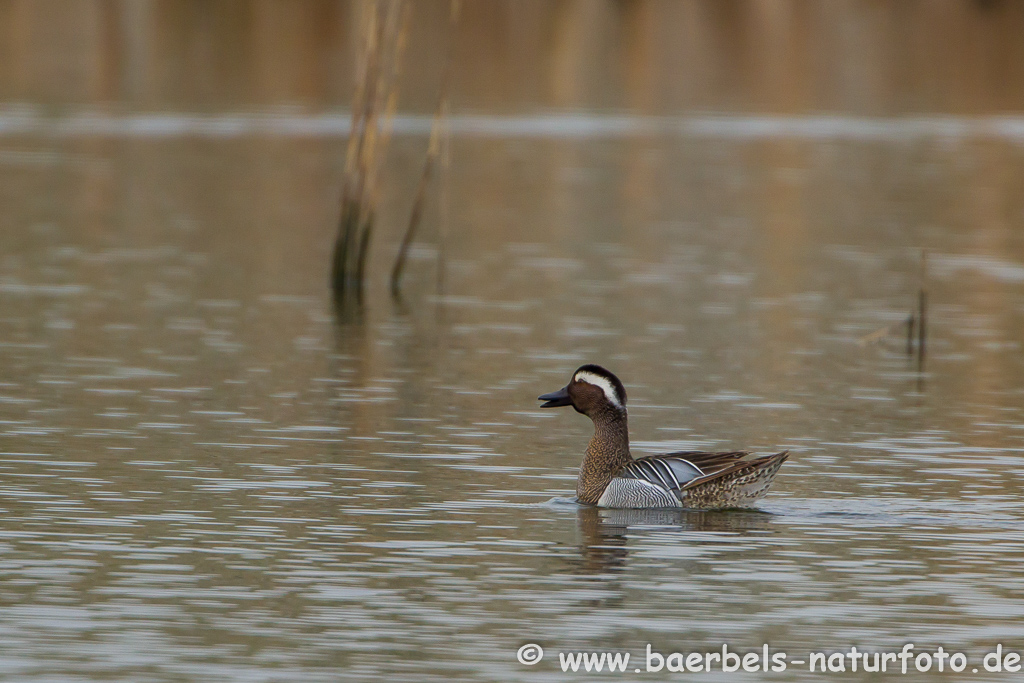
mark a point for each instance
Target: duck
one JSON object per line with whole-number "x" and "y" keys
{"x": 610, "y": 477}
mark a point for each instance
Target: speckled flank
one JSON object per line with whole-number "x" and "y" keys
{"x": 735, "y": 487}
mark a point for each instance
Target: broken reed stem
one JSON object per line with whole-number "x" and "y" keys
{"x": 911, "y": 323}
{"x": 445, "y": 202}
{"x": 922, "y": 313}
{"x": 414, "y": 217}
{"x": 433, "y": 148}
{"x": 399, "y": 23}
{"x": 917, "y": 321}
{"x": 922, "y": 327}
{"x": 354, "y": 176}
{"x": 383, "y": 29}
{"x": 340, "y": 258}
{"x": 348, "y": 221}
{"x": 364, "y": 247}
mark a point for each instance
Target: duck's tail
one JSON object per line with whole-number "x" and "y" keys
{"x": 735, "y": 486}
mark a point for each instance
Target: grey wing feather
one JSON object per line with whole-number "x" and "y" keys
{"x": 666, "y": 472}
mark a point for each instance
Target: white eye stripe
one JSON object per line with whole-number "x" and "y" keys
{"x": 599, "y": 381}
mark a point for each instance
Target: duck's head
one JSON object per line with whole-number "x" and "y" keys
{"x": 592, "y": 391}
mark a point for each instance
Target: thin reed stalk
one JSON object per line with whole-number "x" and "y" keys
{"x": 922, "y": 313}
{"x": 916, "y": 322}
{"x": 445, "y": 201}
{"x": 911, "y": 326}
{"x": 433, "y": 149}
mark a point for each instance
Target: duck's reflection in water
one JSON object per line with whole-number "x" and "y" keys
{"x": 604, "y": 533}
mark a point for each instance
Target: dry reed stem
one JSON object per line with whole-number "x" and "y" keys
{"x": 922, "y": 313}
{"x": 433, "y": 148}
{"x": 398, "y": 23}
{"x": 911, "y": 325}
{"x": 445, "y": 201}
{"x": 384, "y": 25}
{"x": 916, "y": 322}
{"x": 354, "y": 176}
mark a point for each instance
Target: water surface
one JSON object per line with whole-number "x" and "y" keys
{"x": 206, "y": 474}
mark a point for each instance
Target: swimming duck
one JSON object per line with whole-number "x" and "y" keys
{"x": 610, "y": 477}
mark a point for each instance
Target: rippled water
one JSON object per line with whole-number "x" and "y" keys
{"x": 206, "y": 476}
